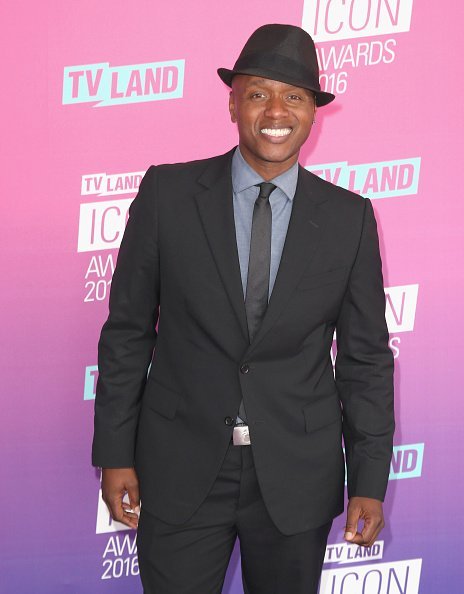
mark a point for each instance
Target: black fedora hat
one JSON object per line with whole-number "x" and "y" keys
{"x": 280, "y": 52}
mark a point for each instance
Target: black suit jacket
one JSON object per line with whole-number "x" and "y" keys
{"x": 178, "y": 260}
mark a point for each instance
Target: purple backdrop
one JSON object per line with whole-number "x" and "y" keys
{"x": 96, "y": 92}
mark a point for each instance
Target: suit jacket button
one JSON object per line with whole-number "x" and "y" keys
{"x": 245, "y": 368}
{"x": 229, "y": 421}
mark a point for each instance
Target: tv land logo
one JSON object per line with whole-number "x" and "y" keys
{"x": 106, "y": 85}
{"x": 103, "y": 184}
{"x": 330, "y": 22}
{"x": 345, "y": 552}
{"x": 382, "y": 179}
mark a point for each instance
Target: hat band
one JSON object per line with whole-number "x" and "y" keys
{"x": 279, "y": 65}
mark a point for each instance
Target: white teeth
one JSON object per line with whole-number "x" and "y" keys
{"x": 276, "y": 131}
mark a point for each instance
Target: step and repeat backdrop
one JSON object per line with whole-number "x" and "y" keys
{"x": 96, "y": 92}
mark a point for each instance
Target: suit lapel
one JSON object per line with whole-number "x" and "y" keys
{"x": 305, "y": 229}
{"x": 215, "y": 205}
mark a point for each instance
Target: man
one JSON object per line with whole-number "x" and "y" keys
{"x": 248, "y": 263}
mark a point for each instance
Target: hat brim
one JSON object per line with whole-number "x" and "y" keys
{"x": 226, "y": 75}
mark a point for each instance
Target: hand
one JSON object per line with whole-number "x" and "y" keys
{"x": 370, "y": 510}
{"x": 116, "y": 482}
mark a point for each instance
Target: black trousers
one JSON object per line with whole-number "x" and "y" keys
{"x": 192, "y": 558}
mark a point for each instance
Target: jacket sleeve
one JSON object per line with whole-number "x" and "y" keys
{"x": 364, "y": 370}
{"x": 129, "y": 335}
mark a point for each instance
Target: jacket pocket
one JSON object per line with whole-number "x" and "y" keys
{"x": 161, "y": 399}
{"x": 321, "y": 279}
{"x": 322, "y": 413}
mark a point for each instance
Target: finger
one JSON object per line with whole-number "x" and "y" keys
{"x": 134, "y": 497}
{"x": 131, "y": 516}
{"x": 370, "y": 532}
{"x": 120, "y": 514}
{"x": 358, "y": 539}
{"x": 352, "y": 518}
{"x": 115, "y": 484}
{"x": 133, "y": 513}
{"x": 115, "y": 505}
{"x": 116, "y": 510}
{"x": 131, "y": 520}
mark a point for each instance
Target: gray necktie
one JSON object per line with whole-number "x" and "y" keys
{"x": 259, "y": 264}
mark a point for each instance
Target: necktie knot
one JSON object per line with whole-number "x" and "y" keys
{"x": 265, "y": 189}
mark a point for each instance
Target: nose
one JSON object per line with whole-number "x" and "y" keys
{"x": 276, "y": 107}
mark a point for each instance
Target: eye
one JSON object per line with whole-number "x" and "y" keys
{"x": 257, "y": 95}
{"x": 294, "y": 97}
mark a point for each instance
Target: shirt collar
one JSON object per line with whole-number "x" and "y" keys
{"x": 244, "y": 176}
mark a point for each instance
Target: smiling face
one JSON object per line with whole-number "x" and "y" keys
{"x": 274, "y": 120}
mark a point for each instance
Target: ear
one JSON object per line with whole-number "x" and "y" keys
{"x": 233, "y": 116}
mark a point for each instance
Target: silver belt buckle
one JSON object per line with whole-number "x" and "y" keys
{"x": 241, "y": 435}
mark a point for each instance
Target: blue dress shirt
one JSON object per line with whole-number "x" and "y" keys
{"x": 244, "y": 180}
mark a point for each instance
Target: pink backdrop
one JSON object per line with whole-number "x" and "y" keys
{"x": 394, "y": 133}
